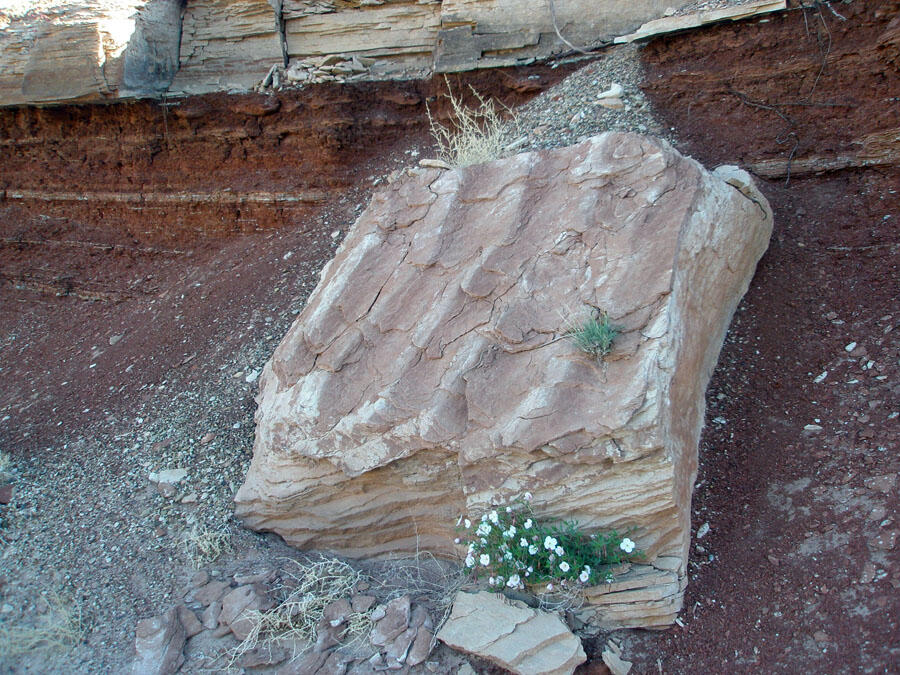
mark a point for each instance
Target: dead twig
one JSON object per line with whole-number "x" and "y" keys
{"x": 556, "y": 28}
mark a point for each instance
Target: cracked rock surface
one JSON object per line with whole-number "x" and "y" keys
{"x": 523, "y": 640}
{"x": 430, "y": 371}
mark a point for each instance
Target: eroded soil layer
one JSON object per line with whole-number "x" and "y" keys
{"x": 800, "y": 570}
{"x": 163, "y": 215}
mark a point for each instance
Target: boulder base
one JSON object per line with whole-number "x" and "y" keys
{"x": 430, "y": 372}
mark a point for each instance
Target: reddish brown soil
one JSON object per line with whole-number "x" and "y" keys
{"x": 177, "y": 278}
{"x": 799, "y": 572}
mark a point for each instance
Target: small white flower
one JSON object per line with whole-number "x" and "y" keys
{"x": 512, "y": 530}
{"x": 484, "y": 518}
{"x": 470, "y": 561}
{"x": 459, "y": 521}
{"x": 508, "y": 555}
{"x": 509, "y": 509}
{"x": 527, "y": 497}
{"x": 523, "y": 542}
{"x": 528, "y": 524}
{"x": 514, "y": 581}
{"x": 483, "y": 530}
{"x": 492, "y": 581}
{"x": 549, "y": 543}
{"x": 560, "y": 550}
{"x": 483, "y": 541}
{"x": 549, "y": 587}
{"x": 584, "y": 576}
{"x": 493, "y": 517}
{"x": 499, "y": 579}
{"x": 485, "y": 560}
{"x": 627, "y": 545}
{"x": 532, "y": 549}
{"x": 471, "y": 548}
{"x": 552, "y": 557}
{"x": 564, "y": 566}
{"x": 587, "y": 568}
{"x": 467, "y": 523}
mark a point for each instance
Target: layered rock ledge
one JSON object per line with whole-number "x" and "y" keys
{"x": 430, "y": 372}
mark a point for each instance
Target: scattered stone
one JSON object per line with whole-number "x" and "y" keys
{"x": 167, "y": 490}
{"x": 703, "y": 530}
{"x": 337, "y": 612}
{"x": 434, "y": 164}
{"x": 821, "y": 377}
{"x": 189, "y": 620}
{"x": 820, "y": 636}
{"x": 268, "y": 655}
{"x": 362, "y": 603}
{"x": 210, "y": 616}
{"x": 158, "y": 644}
{"x": 199, "y": 578}
{"x": 208, "y": 593}
{"x": 237, "y": 605}
{"x": 113, "y": 339}
{"x": 850, "y": 347}
{"x": 395, "y": 621}
{"x": 190, "y": 498}
{"x": 812, "y": 428}
{"x": 254, "y": 577}
{"x": 399, "y": 648}
{"x": 207, "y": 438}
{"x": 171, "y": 476}
{"x": 307, "y": 663}
{"x": 6, "y": 494}
{"x": 612, "y": 657}
{"x": 421, "y": 647}
{"x": 511, "y": 635}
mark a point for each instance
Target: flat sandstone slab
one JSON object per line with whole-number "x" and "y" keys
{"x": 429, "y": 372}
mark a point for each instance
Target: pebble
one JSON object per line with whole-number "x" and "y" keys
{"x": 812, "y": 428}
{"x": 850, "y": 347}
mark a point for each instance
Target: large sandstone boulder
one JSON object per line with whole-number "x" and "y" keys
{"x": 430, "y": 373}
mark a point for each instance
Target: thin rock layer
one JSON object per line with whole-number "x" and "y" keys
{"x": 430, "y": 372}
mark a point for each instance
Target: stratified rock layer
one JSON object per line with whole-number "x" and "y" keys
{"x": 430, "y": 372}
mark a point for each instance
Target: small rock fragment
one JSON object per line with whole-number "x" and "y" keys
{"x": 189, "y": 620}
{"x": 612, "y": 657}
{"x": 207, "y": 594}
{"x": 421, "y": 647}
{"x": 362, "y": 603}
{"x": 210, "y": 616}
{"x": 395, "y": 621}
{"x": 158, "y": 645}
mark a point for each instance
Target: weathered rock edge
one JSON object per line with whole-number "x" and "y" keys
{"x": 516, "y": 637}
{"x": 428, "y": 375}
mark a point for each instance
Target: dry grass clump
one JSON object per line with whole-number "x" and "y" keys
{"x": 475, "y": 135}
{"x": 204, "y": 545}
{"x": 60, "y": 627}
{"x": 432, "y": 582}
{"x": 307, "y": 591}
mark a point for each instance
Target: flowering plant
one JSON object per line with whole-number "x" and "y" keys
{"x": 513, "y": 548}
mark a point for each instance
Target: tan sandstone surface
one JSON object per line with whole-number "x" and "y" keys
{"x": 57, "y": 51}
{"x": 430, "y": 372}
